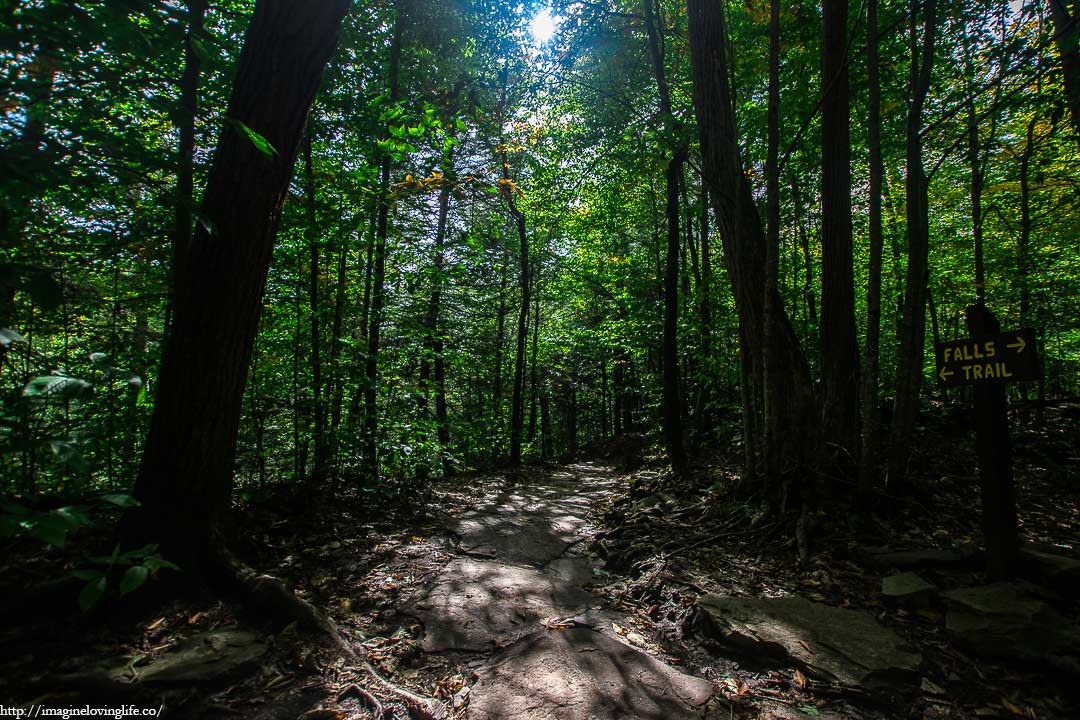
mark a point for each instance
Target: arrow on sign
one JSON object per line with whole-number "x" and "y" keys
{"x": 1020, "y": 344}
{"x": 945, "y": 374}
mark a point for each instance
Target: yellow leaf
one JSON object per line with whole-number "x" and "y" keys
{"x": 800, "y": 679}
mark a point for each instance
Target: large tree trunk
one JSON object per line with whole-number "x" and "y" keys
{"x": 744, "y": 239}
{"x": 1067, "y": 39}
{"x": 772, "y": 244}
{"x": 909, "y": 365}
{"x": 673, "y": 432}
{"x": 185, "y": 480}
{"x": 839, "y": 343}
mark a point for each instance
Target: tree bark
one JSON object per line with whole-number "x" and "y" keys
{"x": 673, "y": 432}
{"x": 1067, "y": 39}
{"x": 185, "y": 481}
{"x": 870, "y": 426}
{"x": 378, "y": 276}
{"x": 744, "y": 242}
{"x": 839, "y": 343}
{"x": 185, "y": 171}
{"x": 909, "y": 366}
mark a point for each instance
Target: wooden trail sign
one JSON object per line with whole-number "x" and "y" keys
{"x": 996, "y": 358}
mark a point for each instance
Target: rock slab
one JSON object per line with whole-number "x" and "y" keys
{"x": 481, "y": 605}
{"x": 909, "y": 590}
{"x": 833, "y": 644}
{"x": 1011, "y": 620}
{"x": 581, "y": 674}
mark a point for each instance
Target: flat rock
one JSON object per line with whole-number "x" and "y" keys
{"x": 1011, "y": 620}
{"x": 909, "y": 590}
{"x": 887, "y": 559}
{"x": 479, "y": 604}
{"x": 205, "y": 657}
{"x": 834, "y": 644}
{"x": 581, "y": 674}
{"x": 1060, "y": 573}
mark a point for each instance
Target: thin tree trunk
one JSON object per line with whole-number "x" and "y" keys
{"x": 909, "y": 371}
{"x": 319, "y": 468}
{"x": 673, "y": 433}
{"x": 378, "y": 292}
{"x": 868, "y": 455}
{"x": 533, "y": 369}
{"x": 433, "y": 342}
{"x": 772, "y": 250}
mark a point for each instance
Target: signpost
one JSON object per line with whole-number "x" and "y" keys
{"x": 987, "y": 360}
{"x": 999, "y": 357}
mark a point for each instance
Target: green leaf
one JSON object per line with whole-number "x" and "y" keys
{"x": 261, "y": 144}
{"x": 57, "y": 386}
{"x": 156, "y": 562}
{"x": 51, "y": 530}
{"x": 121, "y": 500}
{"x": 134, "y": 578}
{"x": 88, "y": 575}
{"x": 90, "y": 594}
{"x": 460, "y": 125}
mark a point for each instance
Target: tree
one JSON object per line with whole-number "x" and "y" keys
{"x": 909, "y": 365}
{"x": 185, "y": 478}
{"x": 673, "y": 432}
{"x": 744, "y": 245}
{"x": 839, "y": 348}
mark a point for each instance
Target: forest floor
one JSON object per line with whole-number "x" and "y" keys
{"x": 581, "y": 591}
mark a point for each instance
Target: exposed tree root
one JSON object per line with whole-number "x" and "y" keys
{"x": 272, "y": 600}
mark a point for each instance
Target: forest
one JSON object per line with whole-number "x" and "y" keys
{"x": 540, "y": 359}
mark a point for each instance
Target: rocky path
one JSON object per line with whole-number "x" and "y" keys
{"x": 515, "y": 599}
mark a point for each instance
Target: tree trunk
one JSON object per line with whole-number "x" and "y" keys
{"x": 1067, "y": 39}
{"x": 185, "y": 172}
{"x": 744, "y": 240}
{"x": 433, "y": 343}
{"x": 839, "y": 343}
{"x": 378, "y": 276}
{"x": 673, "y": 433}
{"x": 517, "y": 406}
{"x": 318, "y": 408}
{"x": 772, "y": 248}
{"x": 185, "y": 481}
{"x": 868, "y": 455}
{"x": 909, "y": 366}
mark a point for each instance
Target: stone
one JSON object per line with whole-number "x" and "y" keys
{"x": 830, "y": 643}
{"x": 886, "y": 559}
{"x": 1059, "y": 573}
{"x": 206, "y": 657}
{"x": 909, "y": 590}
{"x": 1011, "y": 620}
{"x": 581, "y": 674}
{"x": 479, "y": 605}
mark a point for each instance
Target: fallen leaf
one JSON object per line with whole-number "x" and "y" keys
{"x": 1014, "y": 709}
{"x": 800, "y": 679}
{"x": 806, "y": 645}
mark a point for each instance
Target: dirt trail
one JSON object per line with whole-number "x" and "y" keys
{"x": 545, "y": 647}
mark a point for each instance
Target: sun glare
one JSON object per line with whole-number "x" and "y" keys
{"x": 542, "y": 27}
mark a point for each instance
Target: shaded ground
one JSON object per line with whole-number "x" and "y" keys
{"x": 577, "y": 592}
